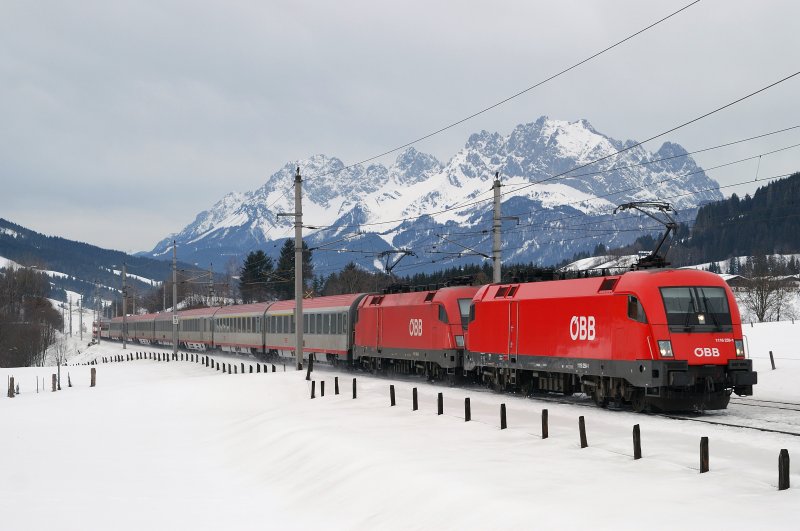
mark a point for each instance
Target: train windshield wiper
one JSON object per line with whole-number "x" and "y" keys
{"x": 689, "y": 312}
{"x": 710, "y": 311}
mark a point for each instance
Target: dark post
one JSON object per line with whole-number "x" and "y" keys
{"x": 637, "y": 442}
{"x": 503, "y": 424}
{"x": 251, "y": 369}
{"x": 772, "y": 360}
{"x": 783, "y": 470}
{"x": 703, "y": 454}
{"x": 229, "y": 368}
{"x": 322, "y": 388}
{"x": 11, "y": 386}
{"x": 336, "y": 385}
{"x": 354, "y": 388}
{"x": 582, "y": 428}
{"x": 242, "y": 368}
{"x": 440, "y": 404}
{"x": 414, "y": 401}
{"x": 391, "y": 395}
{"x": 273, "y": 367}
{"x": 94, "y": 377}
{"x": 258, "y": 368}
{"x": 235, "y": 369}
{"x": 467, "y": 410}
{"x": 313, "y": 385}
{"x": 69, "y": 381}
{"x": 308, "y": 368}
{"x": 55, "y": 383}
{"x": 223, "y": 368}
{"x": 545, "y": 433}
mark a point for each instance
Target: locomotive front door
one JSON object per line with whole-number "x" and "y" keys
{"x": 513, "y": 332}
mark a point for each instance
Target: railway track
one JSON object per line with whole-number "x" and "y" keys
{"x": 729, "y": 424}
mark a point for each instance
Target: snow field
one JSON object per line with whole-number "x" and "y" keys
{"x": 177, "y": 445}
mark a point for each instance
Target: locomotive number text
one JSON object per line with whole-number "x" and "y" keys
{"x": 581, "y": 327}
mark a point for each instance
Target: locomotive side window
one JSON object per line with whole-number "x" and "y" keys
{"x": 635, "y": 310}
{"x": 442, "y": 314}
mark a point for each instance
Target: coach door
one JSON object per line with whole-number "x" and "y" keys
{"x": 513, "y": 330}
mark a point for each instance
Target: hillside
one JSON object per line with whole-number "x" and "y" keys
{"x": 766, "y": 223}
{"x": 75, "y": 266}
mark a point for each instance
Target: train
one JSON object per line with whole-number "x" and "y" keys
{"x": 651, "y": 339}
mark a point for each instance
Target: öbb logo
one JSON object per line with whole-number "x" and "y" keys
{"x": 705, "y": 352}
{"x": 581, "y": 327}
{"x": 415, "y": 327}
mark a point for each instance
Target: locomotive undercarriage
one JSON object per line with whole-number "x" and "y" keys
{"x": 657, "y": 385}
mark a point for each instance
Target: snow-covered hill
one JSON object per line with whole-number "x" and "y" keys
{"x": 392, "y": 206}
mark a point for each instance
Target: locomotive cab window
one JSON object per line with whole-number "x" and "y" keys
{"x": 636, "y": 310}
{"x": 464, "y": 311}
{"x": 697, "y": 309}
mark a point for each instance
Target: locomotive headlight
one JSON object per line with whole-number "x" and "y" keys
{"x": 665, "y": 348}
{"x": 739, "y": 345}
{"x": 460, "y": 341}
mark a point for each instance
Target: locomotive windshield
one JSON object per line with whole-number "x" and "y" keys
{"x": 697, "y": 309}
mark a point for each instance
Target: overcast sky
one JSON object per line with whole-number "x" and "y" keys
{"x": 120, "y": 121}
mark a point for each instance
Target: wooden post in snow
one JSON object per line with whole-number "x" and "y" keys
{"x": 94, "y": 377}
{"x": 582, "y": 429}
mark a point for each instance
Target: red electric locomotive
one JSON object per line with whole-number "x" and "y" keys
{"x": 666, "y": 339}
{"x": 419, "y": 332}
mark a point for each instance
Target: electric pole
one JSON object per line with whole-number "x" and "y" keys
{"x": 496, "y": 220}
{"x": 97, "y": 307}
{"x": 70, "y": 315}
{"x": 80, "y": 316}
{"x": 174, "y": 299}
{"x": 211, "y": 284}
{"x": 298, "y": 268}
{"x": 124, "y": 308}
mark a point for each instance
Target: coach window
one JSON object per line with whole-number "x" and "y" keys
{"x": 339, "y": 323}
{"x": 326, "y": 324}
{"x": 292, "y": 323}
{"x": 635, "y": 310}
{"x": 319, "y": 323}
{"x": 344, "y": 323}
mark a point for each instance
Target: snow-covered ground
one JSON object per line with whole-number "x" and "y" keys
{"x": 180, "y": 446}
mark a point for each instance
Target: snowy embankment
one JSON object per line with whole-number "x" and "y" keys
{"x": 180, "y": 446}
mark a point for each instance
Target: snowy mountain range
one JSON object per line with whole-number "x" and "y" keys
{"x": 560, "y": 199}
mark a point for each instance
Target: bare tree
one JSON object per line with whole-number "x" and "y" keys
{"x": 59, "y": 352}
{"x": 768, "y": 298}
